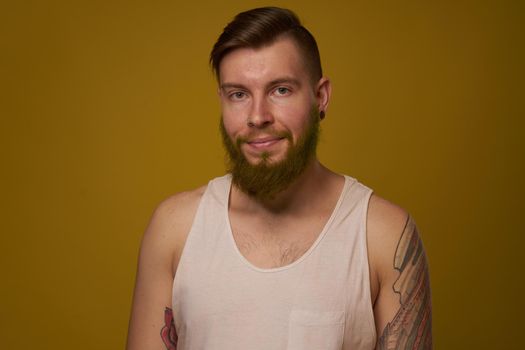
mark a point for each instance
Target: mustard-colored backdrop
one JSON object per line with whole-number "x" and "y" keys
{"x": 107, "y": 107}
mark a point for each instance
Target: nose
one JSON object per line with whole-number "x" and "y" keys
{"x": 260, "y": 115}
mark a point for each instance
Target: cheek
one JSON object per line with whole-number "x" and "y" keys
{"x": 298, "y": 120}
{"x": 231, "y": 126}
{"x": 233, "y": 116}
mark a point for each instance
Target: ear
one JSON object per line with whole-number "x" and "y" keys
{"x": 323, "y": 92}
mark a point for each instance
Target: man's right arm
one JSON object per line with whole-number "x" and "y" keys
{"x": 152, "y": 321}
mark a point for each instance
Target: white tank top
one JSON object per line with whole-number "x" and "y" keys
{"x": 321, "y": 301}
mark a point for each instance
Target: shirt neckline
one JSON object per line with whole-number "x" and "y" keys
{"x": 305, "y": 254}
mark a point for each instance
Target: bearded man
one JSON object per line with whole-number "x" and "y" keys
{"x": 280, "y": 253}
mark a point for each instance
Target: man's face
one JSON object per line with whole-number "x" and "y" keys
{"x": 266, "y": 99}
{"x": 270, "y": 115}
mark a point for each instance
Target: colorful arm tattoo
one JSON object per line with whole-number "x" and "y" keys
{"x": 411, "y": 327}
{"x": 168, "y": 332}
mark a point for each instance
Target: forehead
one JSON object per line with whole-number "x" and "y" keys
{"x": 277, "y": 60}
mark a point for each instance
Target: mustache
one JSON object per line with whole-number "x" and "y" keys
{"x": 260, "y": 134}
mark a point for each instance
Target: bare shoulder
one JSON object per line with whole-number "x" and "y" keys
{"x": 178, "y": 210}
{"x": 385, "y": 224}
{"x": 170, "y": 224}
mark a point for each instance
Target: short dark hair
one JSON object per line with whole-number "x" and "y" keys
{"x": 263, "y": 26}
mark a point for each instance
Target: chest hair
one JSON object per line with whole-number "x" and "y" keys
{"x": 271, "y": 247}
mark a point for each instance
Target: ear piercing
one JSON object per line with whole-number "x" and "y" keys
{"x": 321, "y": 115}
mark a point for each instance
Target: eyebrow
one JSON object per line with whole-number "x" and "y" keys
{"x": 232, "y": 86}
{"x": 284, "y": 80}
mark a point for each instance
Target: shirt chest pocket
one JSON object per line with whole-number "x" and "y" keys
{"x": 316, "y": 330}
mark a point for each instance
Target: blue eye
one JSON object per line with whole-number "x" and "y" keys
{"x": 282, "y": 90}
{"x": 237, "y": 95}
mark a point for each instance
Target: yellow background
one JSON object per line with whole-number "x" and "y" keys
{"x": 107, "y": 107}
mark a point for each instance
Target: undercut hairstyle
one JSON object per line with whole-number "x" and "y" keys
{"x": 261, "y": 27}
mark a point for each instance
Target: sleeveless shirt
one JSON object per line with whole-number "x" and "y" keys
{"x": 320, "y": 301}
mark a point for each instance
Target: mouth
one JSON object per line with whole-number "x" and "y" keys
{"x": 264, "y": 142}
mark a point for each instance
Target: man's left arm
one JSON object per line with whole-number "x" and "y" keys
{"x": 402, "y": 305}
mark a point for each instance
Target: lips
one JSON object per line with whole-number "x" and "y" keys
{"x": 262, "y": 142}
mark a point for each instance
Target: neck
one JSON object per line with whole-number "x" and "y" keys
{"x": 300, "y": 194}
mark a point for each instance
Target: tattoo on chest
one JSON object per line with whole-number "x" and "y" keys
{"x": 168, "y": 332}
{"x": 411, "y": 327}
